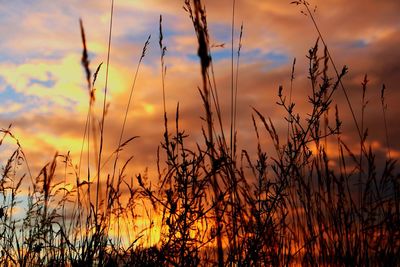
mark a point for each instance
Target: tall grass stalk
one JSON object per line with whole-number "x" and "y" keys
{"x": 104, "y": 108}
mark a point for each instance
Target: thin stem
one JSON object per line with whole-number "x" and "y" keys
{"x": 104, "y": 108}
{"x": 384, "y": 109}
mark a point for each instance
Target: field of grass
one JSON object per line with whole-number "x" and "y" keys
{"x": 314, "y": 201}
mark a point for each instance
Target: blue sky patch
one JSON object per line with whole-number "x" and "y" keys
{"x": 20, "y": 58}
{"x": 10, "y": 94}
{"x": 358, "y": 44}
{"x": 49, "y": 83}
{"x": 255, "y": 55}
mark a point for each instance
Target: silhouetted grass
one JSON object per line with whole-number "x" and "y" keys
{"x": 215, "y": 207}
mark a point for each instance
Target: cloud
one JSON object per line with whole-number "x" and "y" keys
{"x": 45, "y": 94}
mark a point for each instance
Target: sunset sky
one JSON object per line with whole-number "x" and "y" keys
{"x": 43, "y": 88}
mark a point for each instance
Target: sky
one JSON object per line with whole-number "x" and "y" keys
{"x": 43, "y": 91}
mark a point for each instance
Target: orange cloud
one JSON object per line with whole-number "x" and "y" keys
{"x": 44, "y": 45}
